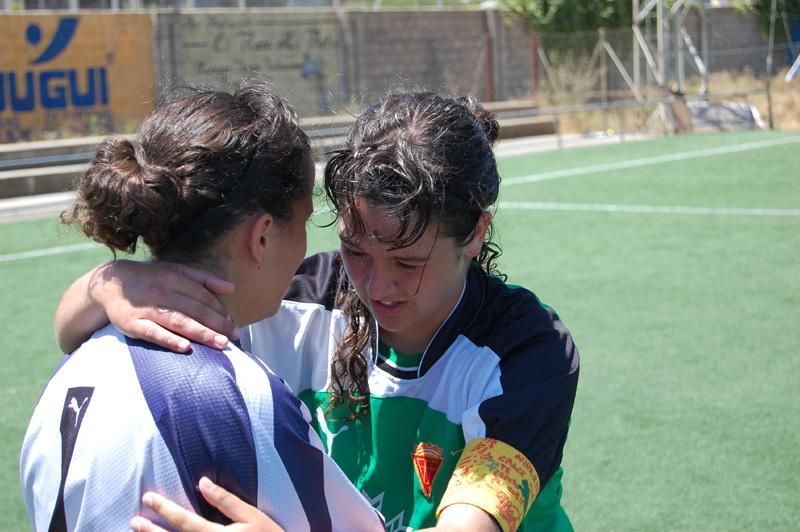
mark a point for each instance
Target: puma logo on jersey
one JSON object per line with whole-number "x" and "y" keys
{"x": 76, "y": 400}
{"x": 73, "y": 405}
{"x": 323, "y": 426}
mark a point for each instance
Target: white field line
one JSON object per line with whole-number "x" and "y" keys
{"x": 11, "y": 257}
{"x": 648, "y": 161}
{"x": 644, "y": 209}
{"x": 46, "y": 252}
{"x": 510, "y": 181}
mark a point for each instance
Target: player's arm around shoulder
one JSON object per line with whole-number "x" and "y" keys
{"x": 167, "y": 304}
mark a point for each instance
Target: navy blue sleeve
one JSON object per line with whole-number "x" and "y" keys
{"x": 539, "y": 366}
{"x": 203, "y": 419}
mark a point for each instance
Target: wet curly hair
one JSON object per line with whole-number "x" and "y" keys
{"x": 419, "y": 158}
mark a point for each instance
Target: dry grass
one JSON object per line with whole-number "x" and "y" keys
{"x": 565, "y": 88}
{"x": 785, "y": 96}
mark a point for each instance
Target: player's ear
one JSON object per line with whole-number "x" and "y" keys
{"x": 259, "y": 236}
{"x": 473, "y": 247}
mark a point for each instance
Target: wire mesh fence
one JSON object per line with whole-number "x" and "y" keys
{"x": 334, "y": 61}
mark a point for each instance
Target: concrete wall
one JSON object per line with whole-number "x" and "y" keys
{"x": 318, "y": 58}
{"x": 736, "y": 42}
{"x": 513, "y": 53}
{"x": 299, "y": 51}
{"x": 437, "y": 49}
{"x": 321, "y": 58}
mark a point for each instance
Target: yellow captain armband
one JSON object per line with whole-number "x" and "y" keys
{"x": 496, "y": 478}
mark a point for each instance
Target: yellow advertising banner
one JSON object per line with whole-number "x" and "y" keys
{"x": 70, "y": 75}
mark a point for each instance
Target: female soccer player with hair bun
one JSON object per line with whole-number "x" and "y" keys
{"x": 444, "y": 393}
{"x": 221, "y": 183}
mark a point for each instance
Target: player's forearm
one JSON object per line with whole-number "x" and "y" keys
{"x": 78, "y": 315}
{"x": 464, "y": 518}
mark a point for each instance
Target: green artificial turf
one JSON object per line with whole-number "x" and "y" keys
{"x": 688, "y": 402}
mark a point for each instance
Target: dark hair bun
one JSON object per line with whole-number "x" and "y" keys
{"x": 202, "y": 163}
{"x": 120, "y": 200}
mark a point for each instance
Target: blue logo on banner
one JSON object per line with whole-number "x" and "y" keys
{"x": 56, "y": 88}
{"x": 64, "y": 34}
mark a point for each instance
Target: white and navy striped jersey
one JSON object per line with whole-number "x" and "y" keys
{"x": 120, "y": 417}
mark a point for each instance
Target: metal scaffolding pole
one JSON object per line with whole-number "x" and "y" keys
{"x": 770, "y": 53}
{"x": 673, "y": 42}
{"x": 637, "y": 67}
{"x": 661, "y": 43}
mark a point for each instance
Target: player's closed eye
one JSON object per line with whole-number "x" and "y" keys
{"x": 350, "y": 252}
{"x": 410, "y": 267}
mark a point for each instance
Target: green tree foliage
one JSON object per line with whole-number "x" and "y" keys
{"x": 569, "y": 15}
{"x": 790, "y": 9}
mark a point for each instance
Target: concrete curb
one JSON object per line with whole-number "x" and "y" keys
{"x": 45, "y": 205}
{"x": 33, "y": 207}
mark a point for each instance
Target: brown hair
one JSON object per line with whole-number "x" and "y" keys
{"x": 200, "y": 164}
{"x": 417, "y": 157}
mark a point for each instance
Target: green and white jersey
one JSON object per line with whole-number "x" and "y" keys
{"x": 481, "y": 417}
